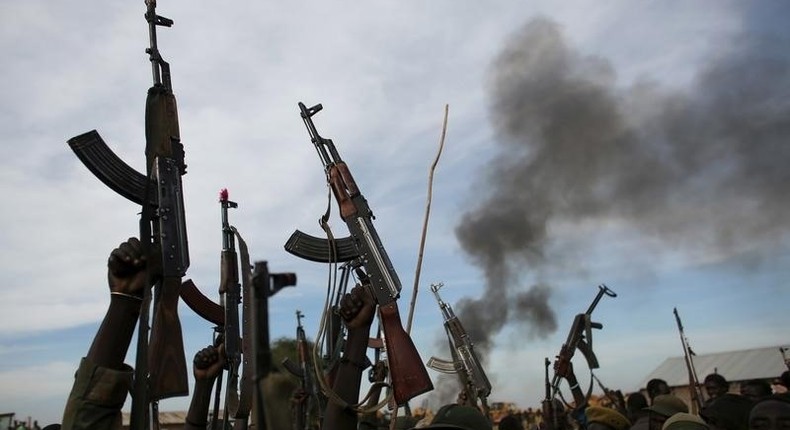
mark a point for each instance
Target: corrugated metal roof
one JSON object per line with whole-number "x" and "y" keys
{"x": 733, "y": 365}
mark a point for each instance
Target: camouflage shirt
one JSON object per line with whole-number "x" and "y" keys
{"x": 96, "y": 398}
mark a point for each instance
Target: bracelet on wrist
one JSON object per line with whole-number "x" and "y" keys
{"x": 131, "y": 296}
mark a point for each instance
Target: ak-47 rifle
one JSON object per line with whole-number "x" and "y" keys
{"x": 160, "y": 369}
{"x": 548, "y": 410}
{"x": 579, "y": 337}
{"x": 615, "y": 397}
{"x": 234, "y": 331}
{"x": 408, "y": 375}
{"x": 465, "y": 363}
{"x": 308, "y": 395}
{"x": 229, "y": 299}
{"x": 694, "y": 386}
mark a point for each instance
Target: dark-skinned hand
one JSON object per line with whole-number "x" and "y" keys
{"x": 126, "y": 268}
{"x": 208, "y": 362}
{"x": 357, "y": 307}
{"x": 563, "y": 368}
{"x": 462, "y": 399}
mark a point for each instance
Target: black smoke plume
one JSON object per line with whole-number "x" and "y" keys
{"x": 704, "y": 170}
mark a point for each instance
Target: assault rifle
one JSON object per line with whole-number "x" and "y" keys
{"x": 465, "y": 363}
{"x": 579, "y": 337}
{"x": 408, "y": 375}
{"x": 694, "y": 386}
{"x": 308, "y": 395}
{"x": 548, "y": 409}
{"x": 615, "y": 397}
{"x": 238, "y": 395}
{"x": 160, "y": 369}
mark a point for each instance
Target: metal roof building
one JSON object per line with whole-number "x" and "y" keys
{"x": 735, "y": 366}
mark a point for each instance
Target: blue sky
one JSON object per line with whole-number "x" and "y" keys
{"x": 714, "y": 245}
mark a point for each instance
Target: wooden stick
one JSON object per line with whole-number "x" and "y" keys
{"x": 425, "y": 222}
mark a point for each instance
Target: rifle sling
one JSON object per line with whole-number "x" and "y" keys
{"x": 247, "y": 370}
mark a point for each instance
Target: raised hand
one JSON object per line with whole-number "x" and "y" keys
{"x": 357, "y": 307}
{"x": 208, "y": 362}
{"x": 126, "y": 266}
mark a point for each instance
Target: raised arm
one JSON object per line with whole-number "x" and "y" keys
{"x": 102, "y": 379}
{"x": 357, "y": 309}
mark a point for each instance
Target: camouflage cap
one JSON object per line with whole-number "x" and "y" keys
{"x": 607, "y": 416}
{"x": 457, "y": 417}
{"x": 684, "y": 421}
{"x": 668, "y": 405}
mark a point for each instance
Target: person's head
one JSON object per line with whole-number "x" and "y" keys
{"x": 772, "y": 413}
{"x": 635, "y": 405}
{"x": 510, "y": 422}
{"x": 756, "y": 389}
{"x": 781, "y": 384}
{"x": 456, "y": 417}
{"x": 601, "y": 418}
{"x": 684, "y": 421}
{"x": 716, "y": 385}
{"x": 656, "y": 387}
{"x": 727, "y": 412}
{"x": 663, "y": 407}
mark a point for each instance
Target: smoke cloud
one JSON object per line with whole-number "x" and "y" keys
{"x": 705, "y": 169}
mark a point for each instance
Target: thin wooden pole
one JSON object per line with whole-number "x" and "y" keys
{"x": 425, "y": 222}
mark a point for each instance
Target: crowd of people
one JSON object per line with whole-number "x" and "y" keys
{"x": 103, "y": 381}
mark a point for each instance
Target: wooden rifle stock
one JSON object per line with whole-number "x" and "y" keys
{"x": 166, "y": 361}
{"x": 409, "y": 376}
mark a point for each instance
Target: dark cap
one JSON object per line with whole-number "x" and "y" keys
{"x": 457, "y": 417}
